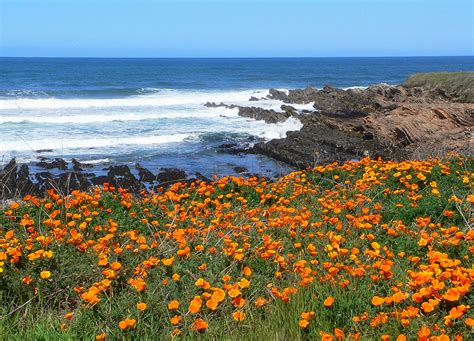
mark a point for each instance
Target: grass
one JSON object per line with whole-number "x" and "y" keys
{"x": 458, "y": 85}
{"x": 390, "y": 243}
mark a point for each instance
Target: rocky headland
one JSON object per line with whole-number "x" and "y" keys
{"x": 428, "y": 115}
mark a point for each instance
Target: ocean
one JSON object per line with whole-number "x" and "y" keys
{"x": 151, "y": 111}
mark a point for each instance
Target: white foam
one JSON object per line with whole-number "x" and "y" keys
{"x": 309, "y": 106}
{"x": 355, "y": 87}
{"x": 78, "y": 143}
{"x": 95, "y": 161}
{"x": 277, "y": 130}
{"x": 162, "y": 98}
{"x": 86, "y": 118}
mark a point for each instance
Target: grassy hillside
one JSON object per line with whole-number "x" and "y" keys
{"x": 364, "y": 250}
{"x": 458, "y": 85}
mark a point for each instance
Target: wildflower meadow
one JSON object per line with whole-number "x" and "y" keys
{"x": 366, "y": 250}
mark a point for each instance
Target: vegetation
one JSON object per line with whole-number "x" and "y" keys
{"x": 457, "y": 85}
{"x": 363, "y": 250}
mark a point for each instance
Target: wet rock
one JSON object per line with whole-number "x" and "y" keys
{"x": 102, "y": 179}
{"x": 171, "y": 175}
{"x": 269, "y": 116}
{"x": 301, "y": 96}
{"x": 317, "y": 144}
{"x": 39, "y": 151}
{"x": 227, "y": 145}
{"x": 56, "y": 163}
{"x": 71, "y": 181}
{"x": 8, "y": 180}
{"x": 215, "y": 105}
{"x": 289, "y": 110}
{"x": 201, "y": 177}
{"x": 233, "y": 148}
{"x": 144, "y": 175}
{"x": 44, "y": 181}
{"x": 24, "y": 183}
{"x": 253, "y": 99}
{"x": 122, "y": 177}
{"x": 278, "y": 95}
{"x": 78, "y": 166}
{"x": 240, "y": 170}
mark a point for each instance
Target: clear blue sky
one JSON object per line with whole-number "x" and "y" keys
{"x": 235, "y": 28}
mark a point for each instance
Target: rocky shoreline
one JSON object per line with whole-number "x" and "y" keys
{"x": 393, "y": 122}
{"x": 419, "y": 119}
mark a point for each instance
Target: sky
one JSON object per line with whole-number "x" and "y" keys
{"x": 236, "y": 28}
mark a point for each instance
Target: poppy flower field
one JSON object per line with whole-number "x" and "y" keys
{"x": 366, "y": 250}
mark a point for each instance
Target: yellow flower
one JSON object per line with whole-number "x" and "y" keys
{"x": 45, "y": 274}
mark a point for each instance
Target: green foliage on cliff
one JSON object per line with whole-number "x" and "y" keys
{"x": 457, "y": 85}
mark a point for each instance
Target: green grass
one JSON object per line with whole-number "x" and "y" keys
{"x": 458, "y": 85}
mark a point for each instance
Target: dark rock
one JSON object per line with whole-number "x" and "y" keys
{"x": 253, "y": 99}
{"x": 101, "y": 179}
{"x": 240, "y": 170}
{"x": 43, "y": 151}
{"x": 201, "y": 177}
{"x": 8, "y": 180}
{"x": 23, "y": 181}
{"x": 301, "y": 96}
{"x": 227, "y": 145}
{"x": 215, "y": 105}
{"x": 278, "y": 95}
{"x": 289, "y": 110}
{"x": 79, "y": 166}
{"x": 233, "y": 148}
{"x": 119, "y": 177}
{"x": 317, "y": 143}
{"x": 144, "y": 175}
{"x": 44, "y": 181}
{"x": 56, "y": 163}
{"x": 10, "y": 167}
{"x": 122, "y": 177}
{"x": 269, "y": 116}
{"x": 71, "y": 181}
{"x": 76, "y": 165}
{"x": 171, "y": 175}
{"x": 341, "y": 102}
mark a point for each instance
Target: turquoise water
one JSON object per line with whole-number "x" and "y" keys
{"x": 151, "y": 110}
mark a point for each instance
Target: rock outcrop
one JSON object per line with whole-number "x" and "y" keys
{"x": 389, "y": 121}
{"x": 269, "y": 116}
{"x": 17, "y": 181}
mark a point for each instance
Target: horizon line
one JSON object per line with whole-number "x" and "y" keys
{"x": 246, "y": 57}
